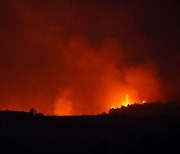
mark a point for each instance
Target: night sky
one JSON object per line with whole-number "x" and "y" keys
{"x": 83, "y": 57}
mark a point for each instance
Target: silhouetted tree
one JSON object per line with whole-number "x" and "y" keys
{"x": 32, "y": 111}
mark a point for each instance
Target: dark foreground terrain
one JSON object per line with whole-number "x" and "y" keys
{"x": 22, "y": 132}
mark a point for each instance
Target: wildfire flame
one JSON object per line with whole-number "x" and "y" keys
{"x": 127, "y": 101}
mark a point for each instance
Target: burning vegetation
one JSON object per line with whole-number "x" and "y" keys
{"x": 155, "y": 109}
{"x": 65, "y": 58}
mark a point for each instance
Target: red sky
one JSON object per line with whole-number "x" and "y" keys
{"x": 83, "y": 57}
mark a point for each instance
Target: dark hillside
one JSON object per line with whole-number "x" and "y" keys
{"x": 22, "y": 132}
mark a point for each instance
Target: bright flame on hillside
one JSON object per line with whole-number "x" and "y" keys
{"x": 126, "y": 102}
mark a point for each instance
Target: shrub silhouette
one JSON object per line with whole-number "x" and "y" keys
{"x": 32, "y": 111}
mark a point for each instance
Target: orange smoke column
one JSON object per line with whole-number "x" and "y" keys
{"x": 99, "y": 83}
{"x": 65, "y": 58}
{"x": 63, "y": 105}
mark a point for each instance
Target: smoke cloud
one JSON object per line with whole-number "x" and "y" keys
{"x": 84, "y": 57}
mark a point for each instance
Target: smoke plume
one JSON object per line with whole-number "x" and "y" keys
{"x": 84, "y": 57}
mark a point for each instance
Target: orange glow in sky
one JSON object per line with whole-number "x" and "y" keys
{"x": 63, "y": 58}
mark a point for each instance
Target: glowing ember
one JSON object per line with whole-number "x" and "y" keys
{"x": 143, "y": 101}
